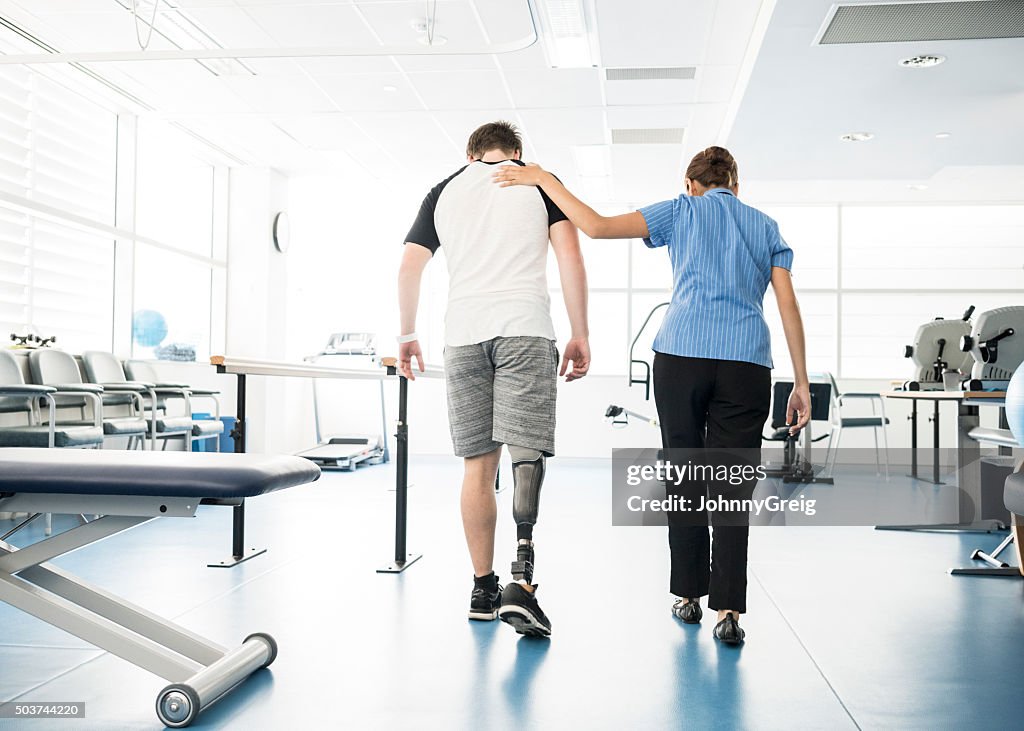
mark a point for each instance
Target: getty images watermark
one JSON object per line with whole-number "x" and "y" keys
{"x": 693, "y": 486}
{"x": 849, "y": 487}
{"x": 668, "y": 475}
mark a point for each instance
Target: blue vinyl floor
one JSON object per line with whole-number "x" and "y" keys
{"x": 847, "y": 627}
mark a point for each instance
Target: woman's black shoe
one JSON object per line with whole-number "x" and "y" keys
{"x": 688, "y": 610}
{"x": 729, "y": 631}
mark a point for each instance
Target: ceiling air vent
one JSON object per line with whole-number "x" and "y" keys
{"x": 924, "y": 21}
{"x": 650, "y": 73}
{"x": 655, "y": 136}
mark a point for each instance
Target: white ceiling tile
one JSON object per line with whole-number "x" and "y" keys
{"x": 653, "y": 32}
{"x": 436, "y": 63}
{"x": 393, "y": 22}
{"x": 531, "y": 57}
{"x": 644, "y": 117}
{"x": 505, "y": 20}
{"x": 231, "y": 26}
{"x": 348, "y": 65}
{"x": 565, "y": 126}
{"x": 413, "y": 136}
{"x": 313, "y": 25}
{"x": 661, "y": 91}
{"x": 554, "y": 87}
{"x": 369, "y": 92}
{"x": 179, "y": 87}
{"x": 716, "y": 83}
{"x": 479, "y": 89}
{"x": 730, "y": 31}
{"x": 101, "y": 31}
{"x": 270, "y": 94}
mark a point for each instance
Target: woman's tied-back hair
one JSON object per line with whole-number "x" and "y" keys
{"x": 714, "y": 167}
{"x": 494, "y": 136}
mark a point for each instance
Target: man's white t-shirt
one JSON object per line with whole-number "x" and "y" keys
{"x": 496, "y": 244}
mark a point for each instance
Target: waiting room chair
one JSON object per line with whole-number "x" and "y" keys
{"x": 163, "y": 391}
{"x": 19, "y": 399}
{"x": 59, "y": 370}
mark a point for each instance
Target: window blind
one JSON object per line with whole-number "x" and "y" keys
{"x": 59, "y": 149}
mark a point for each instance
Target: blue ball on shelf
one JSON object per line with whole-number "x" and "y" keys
{"x": 149, "y": 328}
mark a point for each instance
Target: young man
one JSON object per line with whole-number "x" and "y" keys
{"x": 500, "y": 356}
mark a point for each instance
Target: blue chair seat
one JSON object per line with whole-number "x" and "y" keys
{"x": 855, "y": 421}
{"x": 39, "y": 436}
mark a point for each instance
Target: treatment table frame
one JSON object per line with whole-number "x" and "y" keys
{"x": 125, "y": 489}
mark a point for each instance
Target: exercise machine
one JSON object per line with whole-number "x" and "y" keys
{"x": 997, "y": 344}
{"x": 797, "y": 466}
{"x": 619, "y": 417}
{"x": 936, "y": 349}
{"x": 347, "y": 451}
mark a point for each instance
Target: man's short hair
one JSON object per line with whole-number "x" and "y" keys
{"x": 494, "y": 136}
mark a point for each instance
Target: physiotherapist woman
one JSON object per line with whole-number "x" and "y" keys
{"x": 712, "y": 363}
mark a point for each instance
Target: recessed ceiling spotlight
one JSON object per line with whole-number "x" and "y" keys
{"x": 943, "y": 135}
{"x": 856, "y": 137}
{"x": 918, "y": 186}
{"x": 389, "y": 87}
{"x": 923, "y": 61}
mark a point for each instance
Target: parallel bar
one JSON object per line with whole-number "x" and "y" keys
{"x": 913, "y": 438}
{"x": 402, "y": 559}
{"x": 253, "y": 367}
{"x": 935, "y": 445}
{"x": 238, "y": 552}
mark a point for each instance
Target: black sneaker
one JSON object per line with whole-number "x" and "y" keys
{"x": 484, "y": 601}
{"x": 520, "y": 609}
{"x": 688, "y": 611}
{"x": 729, "y": 631}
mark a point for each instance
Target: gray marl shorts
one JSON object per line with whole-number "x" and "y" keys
{"x": 502, "y": 391}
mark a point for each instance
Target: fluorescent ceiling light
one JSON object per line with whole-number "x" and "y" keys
{"x": 569, "y": 39}
{"x": 943, "y": 135}
{"x": 592, "y": 161}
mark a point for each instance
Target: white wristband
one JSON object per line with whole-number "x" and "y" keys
{"x": 407, "y": 338}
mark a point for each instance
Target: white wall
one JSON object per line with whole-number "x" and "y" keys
{"x": 347, "y": 233}
{"x": 257, "y": 302}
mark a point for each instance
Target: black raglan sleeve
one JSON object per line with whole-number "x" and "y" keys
{"x": 423, "y": 231}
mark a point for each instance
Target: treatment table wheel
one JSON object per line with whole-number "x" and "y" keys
{"x": 177, "y": 706}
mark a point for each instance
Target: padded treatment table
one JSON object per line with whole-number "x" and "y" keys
{"x": 129, "y": 489}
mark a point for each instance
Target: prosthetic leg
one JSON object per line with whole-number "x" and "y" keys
{"x": 519, "y": 606}
{"x": 528, "y": 476}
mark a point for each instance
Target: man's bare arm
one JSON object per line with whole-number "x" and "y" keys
{"x": 410, "y": 275}
{"x": 565, "y": 241}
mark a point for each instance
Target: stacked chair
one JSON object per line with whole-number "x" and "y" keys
{"x": 63, "y": 409}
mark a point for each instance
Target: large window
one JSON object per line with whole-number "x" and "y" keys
{"x": 57, "y": 191}
{"x": 867, "y": 276}
{"x": 176, "y": 283}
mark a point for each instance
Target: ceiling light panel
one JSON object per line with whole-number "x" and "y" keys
{"x": 570, "y": 39}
